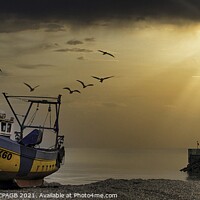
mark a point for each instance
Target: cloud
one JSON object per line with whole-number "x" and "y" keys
{"x": 12, "y": 24}
{"x": 49, "y": 45}
{"x": 34, "y": 14}
{"x": 54, "y": 28}
{"x": 74, "y": 42}
{"x": 74, "y": 50}
{"x": 15, "y": 24}
{"x": 33, "y": 66}
{"x": 81, "y": 58}
{"x": 91, "y": 39}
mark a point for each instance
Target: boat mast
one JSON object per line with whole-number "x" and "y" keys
{"x": 56, "y": 125}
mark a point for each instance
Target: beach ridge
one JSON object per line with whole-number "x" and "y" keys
{"x": 122, "y": 189}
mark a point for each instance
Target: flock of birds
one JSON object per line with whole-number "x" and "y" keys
{"x": 84, "y": 85}
{"x": 100, "y": 79}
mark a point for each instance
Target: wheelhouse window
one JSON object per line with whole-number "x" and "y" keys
{"x": 3, "y": 126}
{"x": 9, "y": 127}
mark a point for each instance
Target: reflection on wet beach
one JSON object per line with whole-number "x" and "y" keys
{"x": 84, "y": 165}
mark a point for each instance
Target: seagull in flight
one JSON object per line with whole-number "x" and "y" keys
{"x": 104, "y": 53}
{"x": 102, "y": 79}
{"x": 71, "y": 91}
{"x": 31, "y": 88}
{"x": 84, "y": 86}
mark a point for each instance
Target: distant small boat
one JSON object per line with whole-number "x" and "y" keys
{"x": 22, "y": 160}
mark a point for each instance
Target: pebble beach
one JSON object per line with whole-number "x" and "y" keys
{"x": 151, "y": 189}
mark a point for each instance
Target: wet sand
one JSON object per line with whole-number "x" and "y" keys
{"x": 151, "y": 189}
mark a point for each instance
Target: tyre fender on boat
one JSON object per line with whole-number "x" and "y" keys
{"x": 61, "y": 154}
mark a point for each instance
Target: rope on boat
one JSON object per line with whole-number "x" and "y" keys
{"x": 48, "y": 114}
{"x": 33, "y": 116}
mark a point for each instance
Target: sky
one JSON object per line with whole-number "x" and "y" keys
{"x": 153, "y": 99}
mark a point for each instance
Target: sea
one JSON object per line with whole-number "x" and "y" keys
{"x": 87, "y": 165}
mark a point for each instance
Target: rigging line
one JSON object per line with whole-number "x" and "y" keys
{"x": 33, "y": 116}
{"x": 45, "y": 119}
{"x": 48, "y": 113}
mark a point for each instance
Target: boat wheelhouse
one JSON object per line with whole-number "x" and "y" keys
{"x": 6, "y": 125}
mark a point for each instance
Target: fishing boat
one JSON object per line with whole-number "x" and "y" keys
{"x": 23, "y": 159}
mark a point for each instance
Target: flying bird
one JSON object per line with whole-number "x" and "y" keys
{"x": 31, "y": 88}
{"x": 71, "y": 91}
{"x": 84, "y": 86}
{"x": 102, "y": 79}
{"x": 104, "y": 53}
